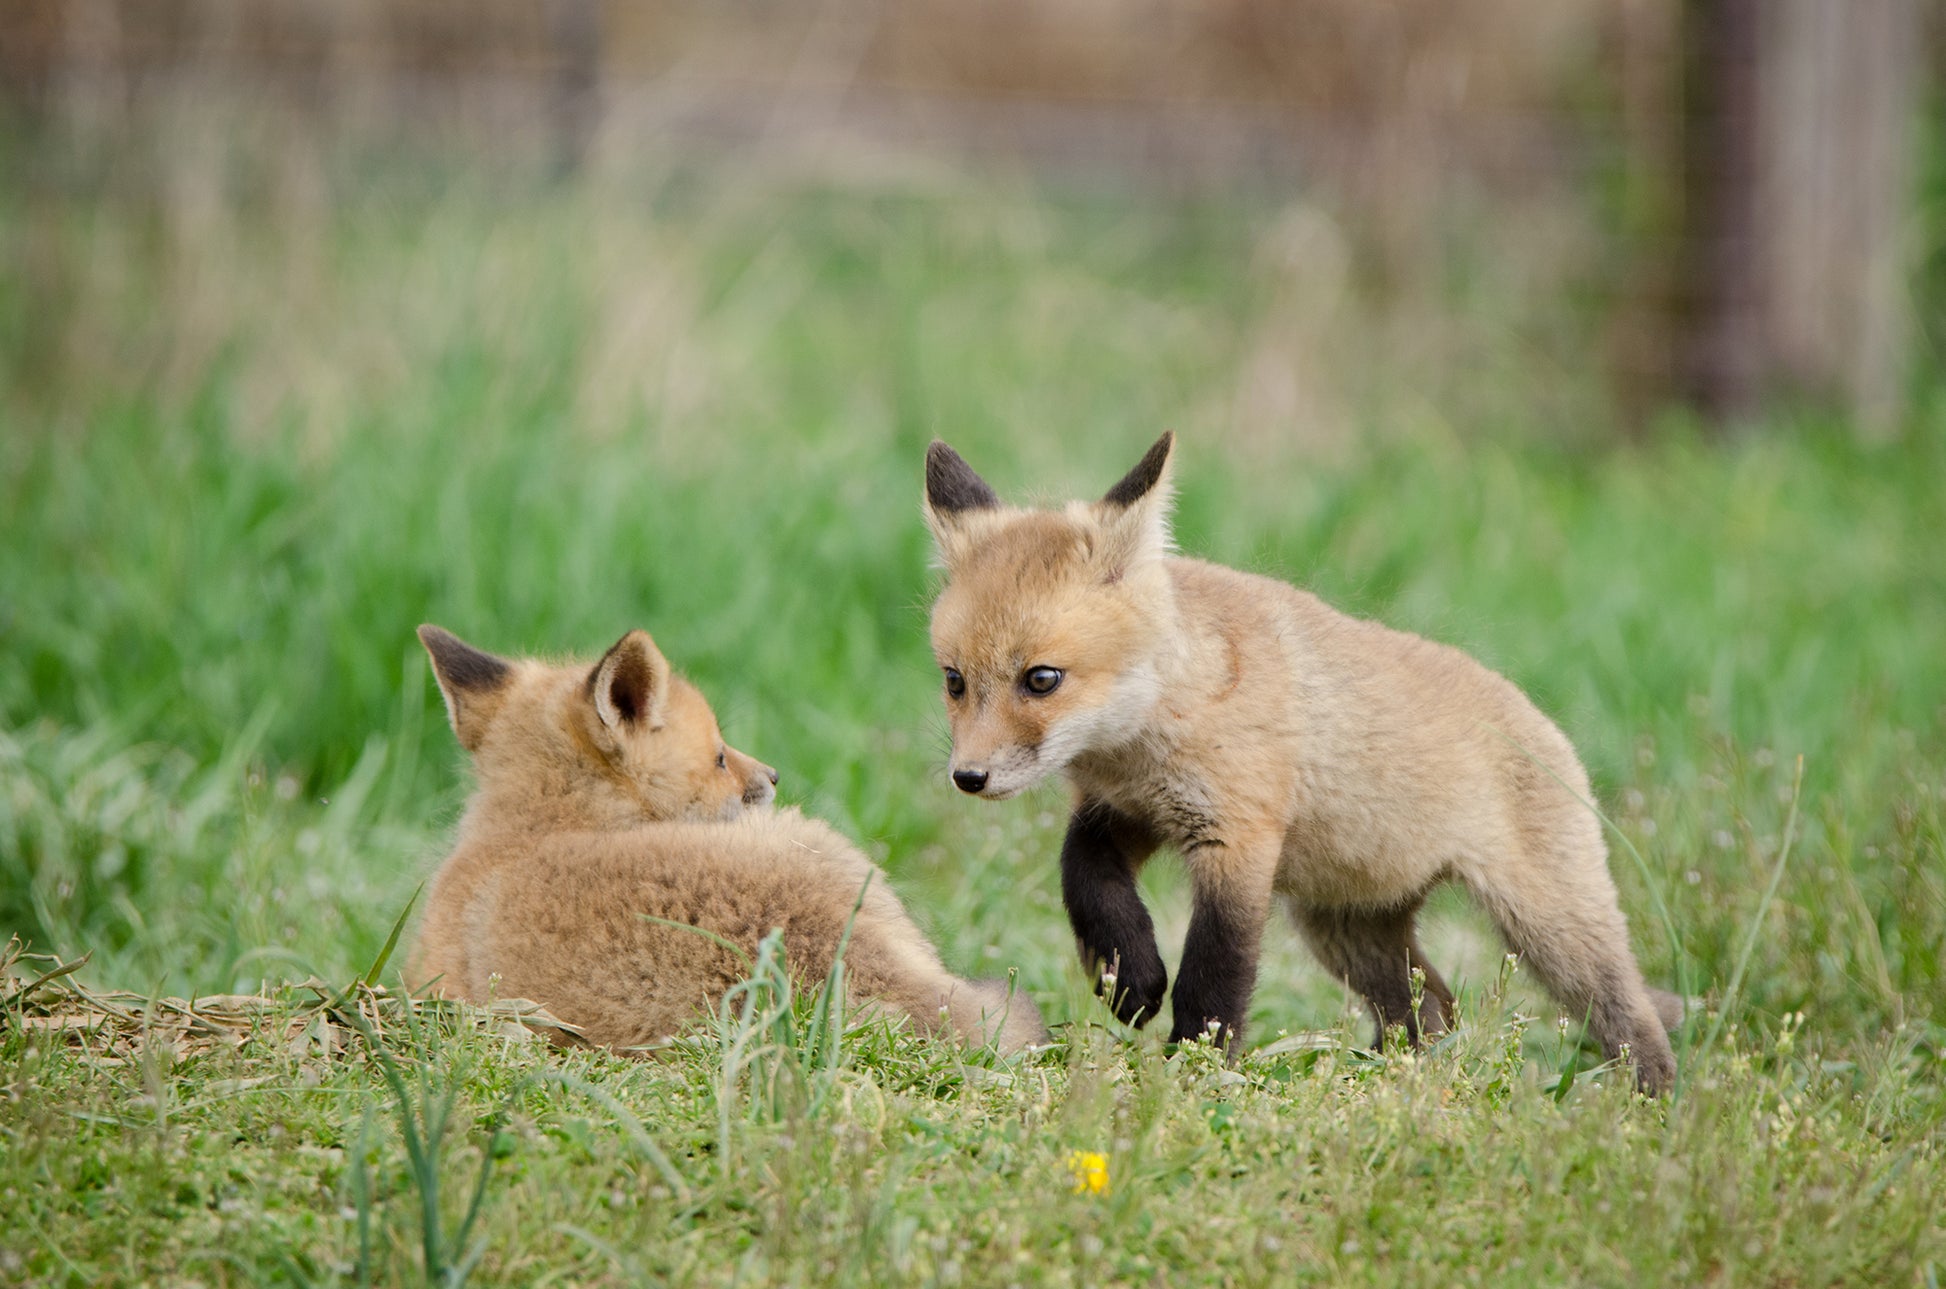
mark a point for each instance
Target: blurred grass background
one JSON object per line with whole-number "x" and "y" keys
{"x": 280, "y": 382}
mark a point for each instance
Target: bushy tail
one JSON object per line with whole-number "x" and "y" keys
{"x": 1000, "y": 1013}
{"x": 1669, "y": 1008}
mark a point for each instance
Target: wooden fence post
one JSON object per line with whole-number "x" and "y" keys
{"x": 1798, "y": 177}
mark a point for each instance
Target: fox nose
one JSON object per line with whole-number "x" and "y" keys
{"x": 969, "y": 780}
{"x": 760, "y": 790}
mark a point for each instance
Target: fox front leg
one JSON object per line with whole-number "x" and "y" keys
{"x": 1226, "y": 927}
{"x": 1103, "y": 852}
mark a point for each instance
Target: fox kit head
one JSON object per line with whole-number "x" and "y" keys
{"x": 623, "y": 742}
{"x": 1051, "y": 623}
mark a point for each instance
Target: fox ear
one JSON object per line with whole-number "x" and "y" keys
{"x": 951, "y": 485}
{"x": 1149, "y": 474}
{"x": 470, "y": 680}
{"x": 1134, "y": 514}
{"x": 630, "y": 684}
{"x": 957, "y": 499}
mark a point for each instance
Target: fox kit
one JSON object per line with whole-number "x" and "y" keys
{"x": 1283, "y": 748}
{"x": 605, "y": 793}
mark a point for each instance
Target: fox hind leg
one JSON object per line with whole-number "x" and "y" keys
{"x": 1375, "y": 952}
{"x": 1573, "y": 937}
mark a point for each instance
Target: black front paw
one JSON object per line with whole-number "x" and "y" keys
{"x": 1134, "y": 990}
{"x": 1212, "y": 1029}
{"x": 1217, "y": 974}
{"x": 1111, "y": 926}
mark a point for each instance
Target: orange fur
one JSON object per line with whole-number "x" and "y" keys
{"x": 605, "y": 793}
{"x": 1289, "y": 752}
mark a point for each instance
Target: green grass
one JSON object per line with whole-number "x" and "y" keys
{"x": 256, "y": 430}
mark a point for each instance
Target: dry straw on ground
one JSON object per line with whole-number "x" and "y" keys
{"x": 312, "y": 1020}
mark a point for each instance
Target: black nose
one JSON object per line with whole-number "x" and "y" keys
{"x": 773, "y": 778}
{"x": 969, "y": 780}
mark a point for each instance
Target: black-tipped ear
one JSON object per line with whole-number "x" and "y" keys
{"x": 1134, "y": 516}
{"x": 951, "y": 485}
{"x": 630, "y": 683}
{"x": 1148, "y": 472}
{"x": 468, "y": 678}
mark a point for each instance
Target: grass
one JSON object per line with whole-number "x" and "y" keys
{"x": 255, "y": 430}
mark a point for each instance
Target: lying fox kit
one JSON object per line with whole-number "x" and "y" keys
{"x": 606, "y": 793}
{"x": 1285, "y": 749}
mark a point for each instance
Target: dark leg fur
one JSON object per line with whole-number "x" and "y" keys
{"x": 1375, "y": 952}
{"x": 1219, "y": 972}
{"x": 1112, "y": 928}
{"x": 1219, "y": 959}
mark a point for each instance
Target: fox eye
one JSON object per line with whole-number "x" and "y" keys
{"x": 722, "y": 761}
{"x": 1041, "y": 680}
{"x": 955, "y": 684}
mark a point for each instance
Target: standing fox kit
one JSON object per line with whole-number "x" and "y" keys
{"x": 605, "y": 793}
{"x": 1283, "y": 748}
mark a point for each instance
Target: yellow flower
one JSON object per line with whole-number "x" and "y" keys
{"x": 1090, "y": 1169}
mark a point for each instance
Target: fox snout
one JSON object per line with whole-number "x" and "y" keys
{"x": 995, "y": 755}
{"x": 762, "y": 789}
{"x": 994, "y": 774}
{"x": 759, "y": 780}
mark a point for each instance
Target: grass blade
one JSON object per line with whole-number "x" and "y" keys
{"x": 705, "y": 932}
{"x": 361, "y": 1194}
{"x": 1735, "y": 985}
{"x": 638, "y": 1134}
{"x": 371, "y": 975}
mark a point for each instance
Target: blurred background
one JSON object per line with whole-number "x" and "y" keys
{"x": 1724, "y": 189}
{"x": 1600, "y": 337}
